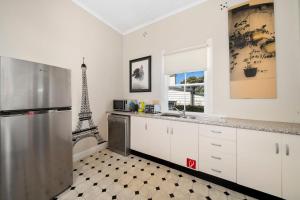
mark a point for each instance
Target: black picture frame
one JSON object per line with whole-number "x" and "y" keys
{"x": 137, "y": 75}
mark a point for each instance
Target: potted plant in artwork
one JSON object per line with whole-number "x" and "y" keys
{"x": 249, "y": 70}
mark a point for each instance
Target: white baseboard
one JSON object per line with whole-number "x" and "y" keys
{"x": 89, "y": 151}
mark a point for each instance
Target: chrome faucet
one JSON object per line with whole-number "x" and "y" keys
{"x": 181, "y": 112}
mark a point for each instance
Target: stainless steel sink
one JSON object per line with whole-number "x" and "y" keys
{"x": 178, "y": 115}
{"x": 189, "y": 117}
{"x": 170, "y": 115}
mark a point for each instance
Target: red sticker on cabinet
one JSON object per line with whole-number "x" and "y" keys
{"x": 190, "y": 163}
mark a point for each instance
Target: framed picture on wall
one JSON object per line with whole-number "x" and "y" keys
{"x": 140, "y": 74}
{"x": 252, "y": 50}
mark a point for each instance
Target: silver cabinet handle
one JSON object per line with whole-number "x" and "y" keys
{"x": 167, "y": 130}
{"x": 277, "y": 148}
{"x": 215, "y": 157}
{"x": 171, "y": 131}
{"x": 287, "y": 150}
{"x": 216, "y": 145}
{"x": 146, "y": 127}
{"x": 215, "y": 170}
{"x": 214, "y": 131}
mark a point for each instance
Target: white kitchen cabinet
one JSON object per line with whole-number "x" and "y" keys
{"x": 218, "y": 132}
{"x": 265, "y": 161}
{"x": 139, "y": 137}
{"x": 184, "y": 143}
{"x": 173, "y": 141}
{"x": 217, "y": 151}
{"x": 158, "y": 139}
{"x": 217, "y": 157}
{"x": 218, "y": 164}
{"x": 291, "y": 167}
{"x": 259, "y": 160}
{"x": 207, "y": 144}
{"x": 150, "y": 136}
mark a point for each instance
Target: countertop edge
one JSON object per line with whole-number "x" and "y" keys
{"x": 258, "y": 125}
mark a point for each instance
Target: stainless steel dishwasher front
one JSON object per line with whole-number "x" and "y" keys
{"x": 119, "y": 134}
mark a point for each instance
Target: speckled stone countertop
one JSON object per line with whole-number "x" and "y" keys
{"x": 268, "y": 126}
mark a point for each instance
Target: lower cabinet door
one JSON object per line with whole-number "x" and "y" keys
{"x": 158, "y": 139}
{"x": 259, "y": 160}
{"x": 184, "y": 144}
{"x": 138, "y": 134}
{"x": 291, "y": 167}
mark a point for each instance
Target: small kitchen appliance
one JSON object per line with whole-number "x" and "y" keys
{"x": 121, "y": 105}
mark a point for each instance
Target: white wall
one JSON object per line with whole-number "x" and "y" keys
{"x": 206, "y": 21}
{"x": 60, "y": 33}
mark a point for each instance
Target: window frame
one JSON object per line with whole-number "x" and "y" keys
{"x": 167, "y": 77}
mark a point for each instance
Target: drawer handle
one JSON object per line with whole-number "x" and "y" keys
{"x": 217, "y": 158}
{"x": 287, "y": 150}
{"x": 214, "y": 131}
{"x": 215, "y": 170}
{"x": 216, "y": 145}
{"x": 146, "y": 127}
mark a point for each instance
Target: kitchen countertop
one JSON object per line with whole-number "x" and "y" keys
{"x": 268, "y": 126}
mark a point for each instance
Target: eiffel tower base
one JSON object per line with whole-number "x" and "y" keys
{"x": 85, "y": 133}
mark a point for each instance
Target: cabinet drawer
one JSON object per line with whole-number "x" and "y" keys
{"x": 209, "y": 145}
{"x": 219, "y": 132}
{"x": 219, "y": 165}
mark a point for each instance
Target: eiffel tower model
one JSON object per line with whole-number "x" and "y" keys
{"x": 85, "y": 115}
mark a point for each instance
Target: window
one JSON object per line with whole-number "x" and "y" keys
{"x": 185, "y": 71}
{"x": 186, "y": 91}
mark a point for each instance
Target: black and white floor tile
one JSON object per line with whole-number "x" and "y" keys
{"x": 106, "y": 175}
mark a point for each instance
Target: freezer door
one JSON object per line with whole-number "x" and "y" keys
{"x": 36, "y": 155}
{"x": 27, "y": 85}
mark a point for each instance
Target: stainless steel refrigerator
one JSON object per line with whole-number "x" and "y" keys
{"x": 35, "y": 130}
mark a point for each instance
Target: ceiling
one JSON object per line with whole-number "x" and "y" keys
{"x": 126, "y": 16}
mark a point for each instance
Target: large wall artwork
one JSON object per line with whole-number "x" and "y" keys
{"x": 252, "y": 50}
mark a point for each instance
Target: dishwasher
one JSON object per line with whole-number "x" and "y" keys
{"x": 119, "y": 134}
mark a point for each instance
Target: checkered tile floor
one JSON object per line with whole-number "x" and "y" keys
{"x": 106, "y": 175}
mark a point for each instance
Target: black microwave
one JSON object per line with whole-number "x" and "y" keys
{"x": 121, "y": 105}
